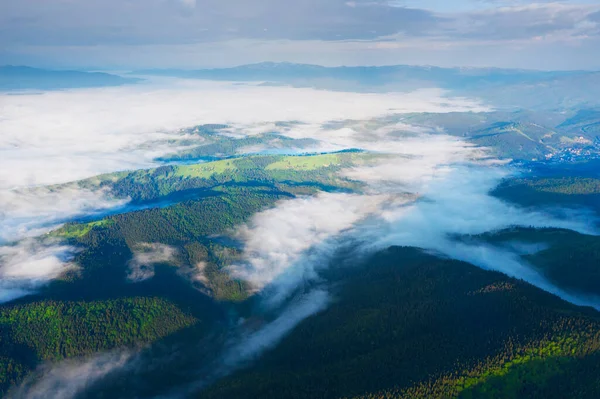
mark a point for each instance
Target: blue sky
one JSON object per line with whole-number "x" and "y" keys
{"x": 214, "y": 33}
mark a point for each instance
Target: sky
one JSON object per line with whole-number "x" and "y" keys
{"x": 114, "y": 34}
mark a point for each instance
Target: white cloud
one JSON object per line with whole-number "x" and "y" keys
{"x": 141, "y": 267}
{"x": 459, "y": 203}
{"x": 27, "y": 263}
{"x": 56, "y": 137}
{"x": 451, "y": 181}
{"x": 286, "y": 245}
{"x": 276, "y": 240}
{"x": 68, "y": 379}
{"x": 28, "y": 212}
{"x": 30, "y": 264}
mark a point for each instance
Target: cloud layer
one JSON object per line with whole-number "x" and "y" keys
{"x": 429, "y": 188}
{"x": 433, "y": 190}
{"x": 188, "y": 21}
{"x": 209, "y": 32}
{"x": 57, "y": 137}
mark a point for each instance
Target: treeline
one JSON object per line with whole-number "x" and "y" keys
{"x": 192, "y": 220}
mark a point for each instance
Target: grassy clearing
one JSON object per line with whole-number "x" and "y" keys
{"x": 306, "y": 162}
{"x": 206, "y": 170}
{"x": 80, "y": 229}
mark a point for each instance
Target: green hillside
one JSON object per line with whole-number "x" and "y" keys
{"x": 145, "y": 185}
{"x": 402, "y": 324}
{"x": 231, "y": 191}
{"x": 51, "y": 330}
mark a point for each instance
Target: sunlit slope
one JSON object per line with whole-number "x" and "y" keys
{"x": 202, "y": 202}
{"x": 409, "y": 325}
{"x": 53, "y": 330}
{"x": 279, "y": 171}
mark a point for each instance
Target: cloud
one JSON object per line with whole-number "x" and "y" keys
{"x": 433, "y": 189}
{"x": 276, "y": 240}
{"x": 286, "y": 245}
{"x": 189, "y": 3}
{"x": 551, "y": 21}
{"x": 68, "y": 379}
{"x": 211, "y": 32}
{"x": 57, "y": 137}
{"x": 26, "y": 262}
{"x": 460, "y": 204}
{"x": 141, "y": 267}
{"x": 28, "y": 212}
{"x": 30, "y": 264}
{"x": 254, "y": 344}
{"x": 135, "y": 22}
{"x": 112, "y": 22}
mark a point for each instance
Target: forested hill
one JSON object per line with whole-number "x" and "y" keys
{"x": 409, "y": 325}
{"x": 319, "y": 171}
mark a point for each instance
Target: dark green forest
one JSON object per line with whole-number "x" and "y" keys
{"x": 569, "y": 259}
{"x": 409, "y": 325}
{"x": 569, "y": 191}
{"x": 52, "y": 330}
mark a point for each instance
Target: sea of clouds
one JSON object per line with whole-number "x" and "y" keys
{"x": 427, "y": 189}
{"x": 56, "y": 137}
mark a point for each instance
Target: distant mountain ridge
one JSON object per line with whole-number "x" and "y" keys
{"x": 371, "y": 74}
{"x": 503, "y": 88}
{"x": 29, "y": 78}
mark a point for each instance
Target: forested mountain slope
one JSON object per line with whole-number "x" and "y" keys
{"x": 410, "y": 325}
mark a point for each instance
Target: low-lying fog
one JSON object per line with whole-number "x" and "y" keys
{"x": 57, "y": 137}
